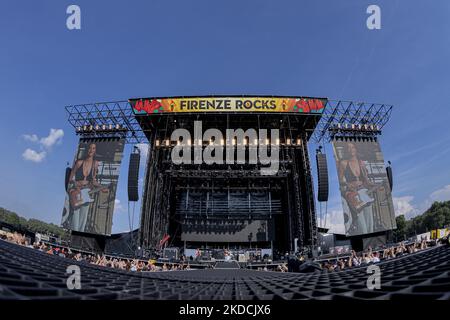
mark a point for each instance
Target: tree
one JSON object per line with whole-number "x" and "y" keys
{"x": 33, "y": 225}
{"x": 400, "y": 232}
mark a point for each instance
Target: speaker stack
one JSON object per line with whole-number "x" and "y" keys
{"x": 67, "y": 176}
{"x": 133, "y": 176}
{"x": 322, "y": 176}
{"x": 389, "y": 175}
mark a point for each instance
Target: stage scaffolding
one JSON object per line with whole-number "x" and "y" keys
{"x": 116, "y": 119}
{"x": 89, "y": 119}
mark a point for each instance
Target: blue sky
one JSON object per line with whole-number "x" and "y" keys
{"x": 159, "y": 48}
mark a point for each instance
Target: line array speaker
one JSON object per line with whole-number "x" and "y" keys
{"x": 322, "y": 175}
{"x": 133, "y": 177}
{"x": 389, "y": 175}
{"x": 66, "y": 181}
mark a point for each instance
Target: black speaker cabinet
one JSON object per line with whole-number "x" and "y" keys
{"x": 322, "y": 177}
{"x": 133, "y": 177}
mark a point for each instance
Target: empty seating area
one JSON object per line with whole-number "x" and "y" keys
{"x": 26, "y": 273}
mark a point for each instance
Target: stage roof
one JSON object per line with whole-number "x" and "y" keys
{"x": 126, "y": 118}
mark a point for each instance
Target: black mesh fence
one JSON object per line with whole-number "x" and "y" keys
{"x": 27, "y": 273}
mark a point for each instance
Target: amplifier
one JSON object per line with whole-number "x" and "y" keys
{"x": 171, "y": 253}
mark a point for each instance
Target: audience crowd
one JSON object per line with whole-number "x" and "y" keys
{"x": 136, "y": 265}
{"x": 100, "y": 260}
{"x": 372, "y": 256}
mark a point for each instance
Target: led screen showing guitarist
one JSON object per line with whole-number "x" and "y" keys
{"x": 365, "y": 192}
{"x": 91, "y": 187}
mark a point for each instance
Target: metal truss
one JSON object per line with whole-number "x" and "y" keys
{"x": 106, "y": 119}
{"x": 348, "y": 113}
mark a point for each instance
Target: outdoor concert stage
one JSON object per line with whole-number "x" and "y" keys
{"x": 228, "y": 202}
{"x": 27, "y": 273}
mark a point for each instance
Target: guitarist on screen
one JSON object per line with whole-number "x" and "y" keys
{"x": 82, "y": 183}
{"x": 357, "y": 191}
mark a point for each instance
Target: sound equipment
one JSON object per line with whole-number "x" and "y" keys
{"x": 66, "y": 181}
{"x": 374, "y": 242}
{"x": 322, "y": 176}
{"x": 309, "y": 267}
{"x": 171, "y": 253}
{"x": 133, "y": 177}
{"x": 389, "y": 175}
{"x": 87, "y": 242}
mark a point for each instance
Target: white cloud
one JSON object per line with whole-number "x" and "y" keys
{"x": 30, "y": 137}
{"x": 34, "y": 156}
{"x": 55, "y": 136}
{"x": 334, "y": 221}
{"x": 442, "y": 194}
{"x": 143, "y": 148}
{"x": 404, "y": 206}
{"x": 118, "y": 207}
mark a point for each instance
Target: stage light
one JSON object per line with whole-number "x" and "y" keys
{"x": 222, "y": 142}
{"x": 91, "y": 128}
{"x": 288, "y": 141}
{"x": 97, "y": 127}
{"x": 110, "y": 126}
{"x": 167, "y": 142}
{"x": 117, "y": 126}
{"x": 199, "y": 142}
{"x": 189, "y": 142}
{"x": 277, "y": 142}
{"x": 245, "y": 141}
{"x": 157, "y": 143}
{"x": 299, "y": 141}
{"x": 104, "y": 127}
{"x": 84, "y": 128}
{"x": 255, "y": 142}
{"x": 267, "y": 142}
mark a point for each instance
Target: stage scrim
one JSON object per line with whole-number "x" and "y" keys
{"x": 366, "y": 196}
{"x": 89, "y": 203}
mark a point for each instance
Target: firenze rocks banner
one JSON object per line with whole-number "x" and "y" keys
{"x": 363, "y": 182}
{"x": 228, "y": 104}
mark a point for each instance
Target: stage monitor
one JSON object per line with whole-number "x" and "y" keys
{"x": 364, "y": 185}
{"x": 92, "y": 186}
